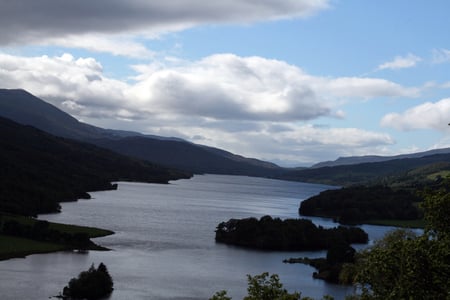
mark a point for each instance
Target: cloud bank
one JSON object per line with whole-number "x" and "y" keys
{"x": 74, "y": 23}
{"x": 424, "y": 116}
{"x": 250, "y": 105}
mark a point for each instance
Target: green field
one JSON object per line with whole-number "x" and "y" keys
{"x": 91, "y": 231}
{"x": 13, "y": 246}
{"x": 420, "y": 223}
{"x": 19, "y": 247}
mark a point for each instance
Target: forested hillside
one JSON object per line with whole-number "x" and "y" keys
{"x": 39, "y": 170}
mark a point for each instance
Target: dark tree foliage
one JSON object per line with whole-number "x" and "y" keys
{"x": 403, "y": 265}
{"x": 358, "y": 204}
{"x": 91, "y": 284}
{"x": 39, "y": 170}
{"x": 291, "y": 234}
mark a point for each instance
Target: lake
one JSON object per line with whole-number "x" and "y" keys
{"x": 164, "y": 246}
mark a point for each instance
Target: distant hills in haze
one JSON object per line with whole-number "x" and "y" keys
{"x": 354, "y": 160}
{"x": 24, "y": 108}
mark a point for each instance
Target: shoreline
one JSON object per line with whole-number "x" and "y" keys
{"x": 16, "y": 246}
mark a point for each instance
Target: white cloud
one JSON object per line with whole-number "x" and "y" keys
{"x": 401, "y": 62}
{"x": 293, "y": 143}
{"x": 251, "y": 105}
{"x": 366, "y": 88}
{"x": 72, "y": 23}
{"x": 101, "y": 43}
{"x": 441, "y": 56}
{"x": 424, "y": 116}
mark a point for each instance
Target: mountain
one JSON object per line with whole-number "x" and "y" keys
{"x": 22, "y": 107}
{"x": 187, "y": 156}
{"x": 38, "y": 170}
{"x": 353, "y": 160}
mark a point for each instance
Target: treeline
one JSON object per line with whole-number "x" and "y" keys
{"x": 358, "y": 204}
{"x": 38, "y": 170}
{"x": 287, "y": 235}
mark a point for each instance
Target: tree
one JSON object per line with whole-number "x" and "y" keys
{"x": 263, "y": 287}
{"x": 91, "y": 284}
{"x": 403, "y": 265}
{"x": 221, "y": 295}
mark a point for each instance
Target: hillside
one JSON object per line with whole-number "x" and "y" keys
{"x": 354, "y": 160}
{"x": 24, "y": 108}
{"x": 365, "y": 173}
{"x": 185, "y": 156}
{"x": 38, "y": 170}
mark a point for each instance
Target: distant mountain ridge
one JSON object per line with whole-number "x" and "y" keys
{"x": 24, "y": 108}
{"x": 353, "y": 160}
{"x": 365, "y": 173}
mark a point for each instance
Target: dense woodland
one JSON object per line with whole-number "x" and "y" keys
{"x": 361, "y": 204}
{"x": 39, "y": 170}
{"x": 270, "y": 233}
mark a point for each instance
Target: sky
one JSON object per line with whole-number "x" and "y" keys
{"x": 293, "y": 82}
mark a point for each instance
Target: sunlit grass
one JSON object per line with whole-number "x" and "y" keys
{"x": 18, "y": 247}
{"x": 91, "y": 231}
{"x": 11, "y": 246}
{"x": 419, "y": 223}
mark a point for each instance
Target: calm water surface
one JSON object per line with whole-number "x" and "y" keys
{"x": 164, "y": 243}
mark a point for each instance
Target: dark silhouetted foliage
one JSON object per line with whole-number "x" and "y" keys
{"x": 358, "y": 204}
{"x": 91, "y": 284}
{"x": 404, "y": 265}
{"x": 291, "y": 234}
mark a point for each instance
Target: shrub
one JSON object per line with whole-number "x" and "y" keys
{"x": 91, "y": 284}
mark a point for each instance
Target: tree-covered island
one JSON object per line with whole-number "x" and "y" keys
{"x": 270, "y": 233}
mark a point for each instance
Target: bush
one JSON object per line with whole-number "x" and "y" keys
{"x": 91, "y": 284}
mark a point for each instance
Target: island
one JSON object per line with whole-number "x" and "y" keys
{"x": 269, "y": 233}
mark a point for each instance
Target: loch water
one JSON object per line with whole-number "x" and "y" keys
{"x": 163, "y": 247}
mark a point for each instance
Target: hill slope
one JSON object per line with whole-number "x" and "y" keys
{"x": 38, "y": 170}
{"x": 24, "y": 108}
{"x": 377, "y": 172}
{"x": 354, "y": 160}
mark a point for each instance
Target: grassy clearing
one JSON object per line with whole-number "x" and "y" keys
{"x": 420, "y": 223}
{"x": 442, "y": 174}
{"x": 91, "y": 231}
{"x": 11, "y": 247}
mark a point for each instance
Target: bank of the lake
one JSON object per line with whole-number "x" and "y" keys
{"x": 164, "y": 246}
{"x": 22, "y": 236}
